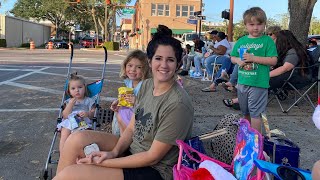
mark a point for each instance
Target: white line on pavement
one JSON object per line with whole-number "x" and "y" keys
{"x": 22, "y": 76}
{"x": 29, "y": 110}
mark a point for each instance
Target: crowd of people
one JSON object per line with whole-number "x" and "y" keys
{"x": 143, "y": 143}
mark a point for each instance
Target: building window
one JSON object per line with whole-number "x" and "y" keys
{"x": 160, "y": 10}
{"x": 167, "y": 10}
{"x": 184, "y": 10}
{"x": 178, "y": 10}
{"x": 191, "y": 10}
{"x": 153, "y": 10}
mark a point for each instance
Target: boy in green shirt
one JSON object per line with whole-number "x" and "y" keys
{"x": 254, "y": 67}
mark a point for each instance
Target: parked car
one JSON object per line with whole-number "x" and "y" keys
{"x": 57, "y": 44}
{"x": 87, "y": 42}
{"x": 316, "y": 37}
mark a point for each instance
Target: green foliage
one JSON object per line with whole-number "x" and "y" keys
{"x": 112, "y": 45}
{"x": 25, "y": 45}
{"x": 3, "y": 43}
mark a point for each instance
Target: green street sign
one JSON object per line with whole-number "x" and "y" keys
{"x": 128, "y": 11}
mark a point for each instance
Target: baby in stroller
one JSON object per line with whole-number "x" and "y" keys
{"x": 78, "y": 109}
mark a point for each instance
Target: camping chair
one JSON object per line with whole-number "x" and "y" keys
{"x": 282, "y": 172}
{"x": 300, "y": 88}
{"x": 94, "y": 93}
{"x": 249, "y": 146}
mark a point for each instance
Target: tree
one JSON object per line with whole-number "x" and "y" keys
{"x": 43, "y": 9}
{"x": 300, "y": 16}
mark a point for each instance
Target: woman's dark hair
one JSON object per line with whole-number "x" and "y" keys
{"x": 163, "y": 36}
{"x": 286, "y": 41}
{"x": 221, "y": 35}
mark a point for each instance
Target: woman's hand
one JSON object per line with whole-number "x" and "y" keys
{"x": 114, "y": 106}
{"x": 97, "y": 157}
{"x": 130, "y": 98}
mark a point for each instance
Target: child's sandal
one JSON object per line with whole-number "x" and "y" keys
{"x": 228, "y": 102}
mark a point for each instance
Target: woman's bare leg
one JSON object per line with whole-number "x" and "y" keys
{"x": 316, "y": 171}
{"x": 73, "y": 147}
{"x": 64, "y": 135}
{"x": 84, "y": 172}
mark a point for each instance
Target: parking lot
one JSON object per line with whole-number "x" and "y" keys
{"x": 31, "y": 87}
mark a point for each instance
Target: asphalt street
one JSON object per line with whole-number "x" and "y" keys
{"x": 31, "y": 87}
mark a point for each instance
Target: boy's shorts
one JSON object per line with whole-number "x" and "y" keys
{"x": 252, "y": 100}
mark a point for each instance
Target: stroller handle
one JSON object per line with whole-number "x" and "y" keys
{"x": 105, "y": 54}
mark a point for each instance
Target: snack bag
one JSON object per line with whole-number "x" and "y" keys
{"x": 123, "y": 92}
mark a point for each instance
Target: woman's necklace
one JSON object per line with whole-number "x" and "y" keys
{"x": 162, "y": 91}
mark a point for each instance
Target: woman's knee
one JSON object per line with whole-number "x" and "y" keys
{"x": 76, "y": 141}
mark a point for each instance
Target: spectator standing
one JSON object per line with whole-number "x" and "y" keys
{"x": 253, "y": 75}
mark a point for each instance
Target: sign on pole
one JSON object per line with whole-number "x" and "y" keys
{"x": 192, "y": 21}
{"x": 128, "y": 11}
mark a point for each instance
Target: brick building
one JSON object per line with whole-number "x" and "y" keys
{"x": 172, "y": 13}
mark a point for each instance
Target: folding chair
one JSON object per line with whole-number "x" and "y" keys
{"x": 300, "y": 88}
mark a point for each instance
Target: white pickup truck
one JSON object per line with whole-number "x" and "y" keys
{"x": 187, "y": 39}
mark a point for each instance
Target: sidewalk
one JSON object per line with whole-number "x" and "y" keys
{"x": 297, "y": 124}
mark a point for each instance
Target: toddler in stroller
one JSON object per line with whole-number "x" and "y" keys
{"x": 78, "y": 109}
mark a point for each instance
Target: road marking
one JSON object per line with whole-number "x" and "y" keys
{"x": 58, "y": 67}
{"x": 42, "y": 89}
{"x": 22, "y": 76}
{"x": 30, "y": 110}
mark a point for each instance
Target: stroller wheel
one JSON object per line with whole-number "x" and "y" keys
{"x": 46, "y": 174}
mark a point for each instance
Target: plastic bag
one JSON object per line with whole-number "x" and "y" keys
{"x": 123, "y": 92}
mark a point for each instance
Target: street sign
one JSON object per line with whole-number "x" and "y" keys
{"x": 128, "y": 11}
{"x": 92, "y": 33}
{"x": 192, "y": 21}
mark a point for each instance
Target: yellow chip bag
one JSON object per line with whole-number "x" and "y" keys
{"x": 123, "y": 92}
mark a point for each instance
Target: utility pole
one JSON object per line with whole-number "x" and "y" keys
{"x": 230, "y": 26}
{"x": 200, "y": 28}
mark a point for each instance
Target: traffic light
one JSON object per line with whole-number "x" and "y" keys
{"x": 108, "y": 2}
{"x": 197, "y": 13}
{"x": 225, "y": 14}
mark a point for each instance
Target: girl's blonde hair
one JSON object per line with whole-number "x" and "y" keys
{"x": 75, "y": 77}
{"x": 140, "y": 55}
{"x": 255, "y": 12}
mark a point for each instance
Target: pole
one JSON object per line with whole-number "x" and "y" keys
{"x": 105, "y": 22}
{"x": 200, "y": 29}
{"x": 230, "y": 27}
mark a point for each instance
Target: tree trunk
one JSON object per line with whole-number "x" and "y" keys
{"x": 300, "y": 16}
{"x": 93, "y": 13}
{"x": 114, "y": 25}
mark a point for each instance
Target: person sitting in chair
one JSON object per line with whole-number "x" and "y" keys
{"x": 220, "y": 55}
{"x": 291, "y": 53}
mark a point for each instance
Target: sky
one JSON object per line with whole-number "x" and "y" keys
{"x": 213, "y": 8}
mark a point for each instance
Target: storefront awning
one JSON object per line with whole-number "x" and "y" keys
{"x": 174, "y": 31}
